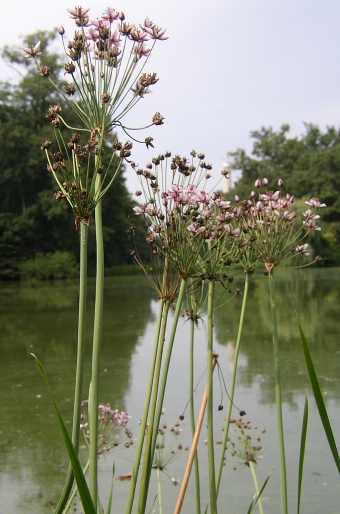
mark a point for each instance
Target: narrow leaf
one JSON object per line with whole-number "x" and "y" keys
{"x": 83, "y": 489}
{"x": 319, "y": 399}
{"x": 256, "y": 497}
{"x": 109, "y": 503}
{"x": 302, "y": 452}
{"x": 77, "y": 469}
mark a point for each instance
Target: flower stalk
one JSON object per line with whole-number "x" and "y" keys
{"x": 278, "y": 397}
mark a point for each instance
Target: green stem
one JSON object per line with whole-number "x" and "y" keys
{"x": 151, "y": 396}
{"x": 71, "y": 498}
{"x": 97, "y": 337}
{"x": 156, "y": 414}
{"x": 192, "y": 415}
{"x": 233, "y": 382}
{"x": 256, "y": 484}
{"x": 210, "y": 418}
{"x": 278, "y": 399}
{"x": 80, "y": 362}
{"x": 160, "y": 508}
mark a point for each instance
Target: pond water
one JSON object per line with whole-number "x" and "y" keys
{"x": 42, "y": 318}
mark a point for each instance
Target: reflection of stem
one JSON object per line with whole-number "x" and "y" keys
{"x": 97, "y": 336}
{"x": 278, "y": 399}
{"x": 141, "y": 437}
{"x": 80, "y": 361}
{"x": 257, "y": 489}
{"x": 195, "y": 439}
{"x": 233, "y": 382}
{"x": 210, "y": 419}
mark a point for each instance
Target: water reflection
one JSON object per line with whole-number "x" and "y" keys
{"x": 315, "y": 296}
{"x": 43, "y": 319}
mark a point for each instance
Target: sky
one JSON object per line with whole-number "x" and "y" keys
{"x": 229, "y": 67}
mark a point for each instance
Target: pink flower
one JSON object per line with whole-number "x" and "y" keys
{"x": 110, "y": 15}
{"x": 315, "y": 202}
{"x": 80, "y": 16}
{"x": 195, "y": 228}
{"x": 141, "y": 50}
{"x": 311, "y": 225}
{"x": 138, "y": 35}
{"x": 302, "y": 249}
{"x": 32, "y": 51}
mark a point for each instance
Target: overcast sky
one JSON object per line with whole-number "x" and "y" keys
{"x": 228, "y": 67}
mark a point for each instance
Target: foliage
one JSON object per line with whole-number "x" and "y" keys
{"x": 309, "y": 166}
{"x": 56, "y": 265}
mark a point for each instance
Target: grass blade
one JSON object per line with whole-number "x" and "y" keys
{"x": 109, "y": 503}
{"x": 77, "y": 469}
{"x": 302, "y": 452}
{"x": 257, "y": 496}
{"x": 319, "y": 399}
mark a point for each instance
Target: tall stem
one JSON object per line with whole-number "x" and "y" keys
{"x": 278, "y": 399}
{"x": 80, "y": 362}
{"x": 257, "y": 489}
{"x": 192, "y": 415}
{"x": 142, "y": 430}
{"x": 97, "y": 337}
{"x": 233, "y": 382}
{"x": 148, "y": 452}
{"x": 147, "y": 465}
{"x": 210, "y": 418}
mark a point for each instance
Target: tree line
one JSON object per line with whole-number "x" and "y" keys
{"x": 32, "y": 223}
{"x": 34, "y": 227}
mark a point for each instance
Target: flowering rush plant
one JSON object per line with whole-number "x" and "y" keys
{"x": 105, "y": 68}
{"x": 271, "y": 225}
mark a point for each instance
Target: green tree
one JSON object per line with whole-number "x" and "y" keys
{"x": 31, "y": 220}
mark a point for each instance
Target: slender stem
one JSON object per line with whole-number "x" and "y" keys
{"x": 210, "y": 418}
{"x": 142, "y": 430}
{"x": 193, "y": 449}
{"x": 147, "y": 465}
{"x": 233, "y": 382}
{"x": 148, "y": 453}
{"x": 192, "y": 415}
{"x": 278, "y": 399}
{"x": 256, "y": 484}
{"x": 160, "y": 507}
{"x": 80, "y": 361}
{"x": 97, "y": 336}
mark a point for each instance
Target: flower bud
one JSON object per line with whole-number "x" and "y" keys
{"x": 280, "y": 182}
{"x": 265, "y": 181}
{"x": 61, "y": 30}
{"x": 257, "y": 183}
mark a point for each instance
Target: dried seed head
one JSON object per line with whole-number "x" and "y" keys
{"x": 157, "y": 119}
{"x": 44, "y": 70}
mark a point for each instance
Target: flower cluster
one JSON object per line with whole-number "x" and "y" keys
{"x": 112, "y": 427}
{"x": 168, "y": 449}
{"x": 271, "y": 225}
{"x": 75, "y": 167}
{"x": 246, "y": 449}
{"x": 105, "y": 65}
{"x": 195, "y": 229}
